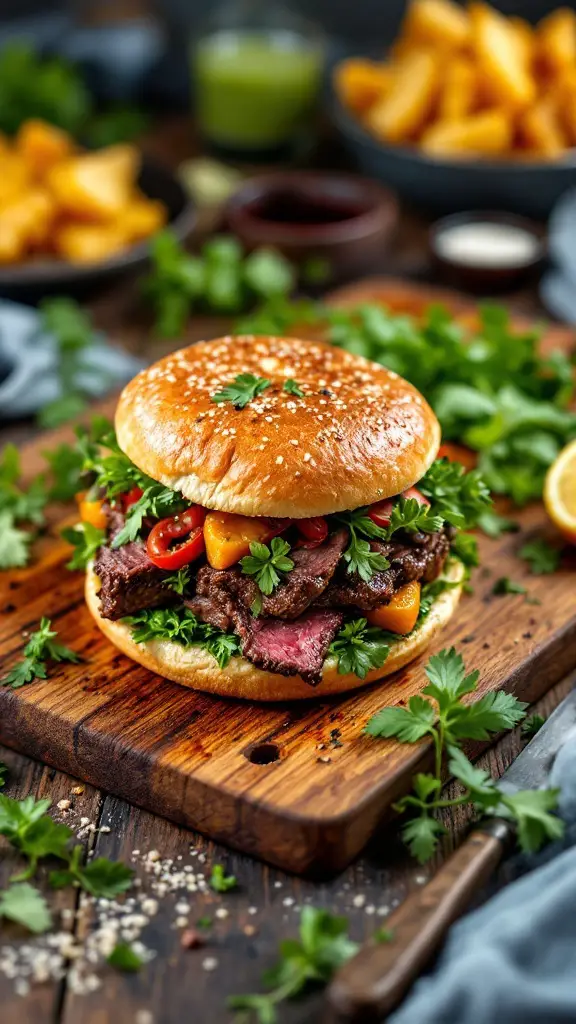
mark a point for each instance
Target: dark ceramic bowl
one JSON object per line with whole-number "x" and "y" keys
{"x": 340, "y": 220}
{"x": 29, "y": 282}
{"x": 482, "y": 276}
{"x": 450, "y": 186}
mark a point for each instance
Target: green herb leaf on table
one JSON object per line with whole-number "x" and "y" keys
{"x": 359, "y": 647}
{"x": 265, "y": 564}
{"x": 323, "y": 946}
{"x": 14, "y": 543}
{"x": 220, "y": 881}
{"x": 532, "y": 725}
{"x": 291, "y": 387}
{"x": 101, "y": 877}
{"x": 541, "y": 557}
{"x": 531, "y": 810}
{"x": 86, "y": 541}
{"x": 504, "y": 585}
{"x": 242, "y": 390}
{"x": 181, "y": 626}
{"x": 494, "y": 525}
{"x": 41, "y": 647}
{"x": 124, "y": 958}
{"x": 23, "y": 904}
{"x": 32, "y": 832}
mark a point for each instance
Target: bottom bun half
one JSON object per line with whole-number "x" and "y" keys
{"x": 195, "y": 667}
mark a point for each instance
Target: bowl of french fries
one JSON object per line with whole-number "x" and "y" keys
{"x": 71, "y": 216}
{"x": 469, "y": 108}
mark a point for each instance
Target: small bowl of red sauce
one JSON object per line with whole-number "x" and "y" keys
{"x": 333, "y": 226}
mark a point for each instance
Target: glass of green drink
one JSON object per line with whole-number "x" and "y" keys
{"x": 257, "y": 73}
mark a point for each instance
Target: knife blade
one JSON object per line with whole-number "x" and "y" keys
{"x": 372, "y": 984}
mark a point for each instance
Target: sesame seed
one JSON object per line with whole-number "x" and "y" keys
{"x": 279, "y": 460}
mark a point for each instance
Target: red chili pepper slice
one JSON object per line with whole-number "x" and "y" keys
{"x": 131, "y": 498}
{"x": 381, "y": 511}
{"x": 315, "y": 530}
{"x": 188, "y": 525}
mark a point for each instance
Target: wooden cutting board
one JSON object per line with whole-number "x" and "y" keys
{"x": 298, "y": 785}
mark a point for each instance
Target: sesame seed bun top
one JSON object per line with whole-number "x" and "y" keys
{"x": 358, "y": 434}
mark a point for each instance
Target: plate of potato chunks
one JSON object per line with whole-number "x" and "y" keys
{"x": 69, "y": 215}
{"x": 493, "y": 98}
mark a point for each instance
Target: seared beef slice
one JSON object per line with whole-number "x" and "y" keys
{"x": 129, "y": 581}
{"x": 293, "y": 648}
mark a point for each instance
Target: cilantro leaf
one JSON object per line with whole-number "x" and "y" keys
{"x": 31, "y": 831}
{"x": 86, "y": 541}
{"x": 531, "y": 811}
{"x": 158, "y": 502}
{"x": 421, "y": 836}
{"x": 101, "y": 877}
{"x": 412, "y": 515}
{"x": 220, "y": 881}
{"x": 541, "y": 557}
{"x": 359, "y": 648}
{"x": 459, "y": 497}
{"x": 293, "y": 388}
{"x": 447, "y": 678}
{"x": 504, "y": 585}
{"x": 494, "y": 525}
{"x": 242, "y": 390}
{"x": 407, "y": 725}
{"x": 66, "y": 464}
{"x": 23, "y": 904}
{"x": 479, "y": 783}
{"x": 14, "y": 543}
{"x": 322, "y": 948}
{"x": 532, "y": 725}
{"x": 181, "y": 626}
{"x": 362, "y": 560}
{"x": 40, "y": 648}
{"x": 266, "y": 563}
{"x": 492, "y": 713}
{"x": 124, "y": 958}
{"x": 179, "y": 581}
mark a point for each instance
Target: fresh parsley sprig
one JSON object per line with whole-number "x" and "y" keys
{"x": 14, "y": 543}
{"x": 181, "y": 626}
{"x": 40, "y": 649}
{"x": 242, "y": 390}
{"x": 411, "y": 515}
{"x": 359, "y": 647}
{"x": 221, "y": 882}
{"x": 101, "y": 877}
{"x": 541, "y": 557}
{"x": 504, "y": 585}
{"x": 323, "y": 946}
{"x": 18, "y": 506}
{"x": 459, "y": 497}
{"x": 180, "y": 580}
{"x": 86, "y": 541}
{"x": 359, "y": 555}
{"x": 448, "y": 721}
{"x": 157, "y": 502}
{"x": 25, "y": 905}
{"x": 265, "y": 564}
{"x": 291, "y": 387}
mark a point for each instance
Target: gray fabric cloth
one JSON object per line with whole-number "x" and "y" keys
{"x": 514, "y": 960}
{"x": 28, "y": 364}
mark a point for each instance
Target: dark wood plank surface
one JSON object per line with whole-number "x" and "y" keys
{"x": 301, "y": 810}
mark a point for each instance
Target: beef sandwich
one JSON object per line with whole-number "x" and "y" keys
{"x": 269, "y": 521}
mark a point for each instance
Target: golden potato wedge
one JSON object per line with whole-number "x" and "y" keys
{"x": 25, "y": 223}
{"x": 540, "y": 129}
{"x": 88, "y": 243}
{"x": 556, "y": 38}
{"x": 42, "y": 145}
{"x": 95, "y": 186}
{"x": 141, "y": 218}
{"x": 506, "y": 77}
{"x": 441, "y": 23}
{"x": 359, "y": 83}
{"x": 488, "y": 133}
{"x": 400, "y": 114}
{"x": 459, "y": 91}
{"x": 14, "y": 177}
{"x": 525, "y": 39}
{"x": 563, "y": 92}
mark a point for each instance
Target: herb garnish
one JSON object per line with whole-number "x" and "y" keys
{"x": 23, "y": 904}
{"x": 182, "y": 627}
{"x": 178, "y": 581}
{"x": 541, "y": 557}
{"x": 100, "y": 877}
{"x": 359, "y": 647}
{"x": 504, "y": 585}
{"x": 411, "y": 515}
{"x": 242, "y": 390}
{"x": 494, "y": 525}
{"x": 322, "y": 948}
{"x": 86, "y": 541}
{"x": 266, "y": 563}
{"x": 459, "y": 497}
{"x": 532, "y": 725}
{"x": 41, "y": 647}
{"x": 220, "y": 881}
{"x": 124, "y": 958}
{"x": 14, "y": 543}
{"x": 17, "y": 506}
{"x": 293, "y": 388}
{"x": 157, "y": 502}
{"x": 448, "y": 721}
{"x": 358, "y": 554}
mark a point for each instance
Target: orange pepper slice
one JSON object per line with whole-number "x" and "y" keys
{"x": 399, "y": 616}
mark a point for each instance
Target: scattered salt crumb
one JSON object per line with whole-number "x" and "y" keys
{"x": 209, "y": 963}
{"x": 287, "y": 901}
{"x": 252, "y": 910}
{"x": 64, "y": 805}
{"x": 359, "y": 900}
{"x": 143, "y": 1017}
{"x": 221, "y": 912}
{"x": 181, "y": 922}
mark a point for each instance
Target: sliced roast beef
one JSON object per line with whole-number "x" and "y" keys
{"x": 418, "y": 556}
{"x": 129, "y": 581}
{"x": 312, "y": 572}
{"x": 293, "y": 648}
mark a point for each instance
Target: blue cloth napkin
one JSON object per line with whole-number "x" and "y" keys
{"x": 513, "y": 960}
{"x": 28, "y": 364}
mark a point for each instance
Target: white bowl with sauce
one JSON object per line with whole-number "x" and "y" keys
{"x": 487, "y": 250}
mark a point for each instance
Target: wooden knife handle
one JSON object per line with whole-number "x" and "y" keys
{"x": 373, "y": 982}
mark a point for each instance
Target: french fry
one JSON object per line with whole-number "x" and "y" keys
{"x": 95, "y": 186}
{"x": 42, "y": 145}
{"x": 14, "y": 177}
{"x": 400, "y": 114}
{"x": 359, "y": 83}
{"x": 488, "y": 133}
{"x": 564, "y": 93}
{"x": 525, "y": 39}
{"x": 540, "y": 129}
{"x": 506, "y": 77}
{"x": 89, "y": 243}
{"x": 556, "y": 36}
{"x": 459, "y": 90}
{"x": 440, "y": 23}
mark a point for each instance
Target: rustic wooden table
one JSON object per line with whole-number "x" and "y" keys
{"x": 181, "y": 984}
